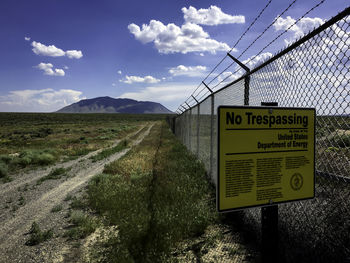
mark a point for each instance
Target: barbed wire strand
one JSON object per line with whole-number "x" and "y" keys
{"x": 268, "y": 27}
{"x": 282, "y": 33}
{"x": 245, "y": 32}
{"x": 241, "y": 37}
{"x": 251, "y": 44}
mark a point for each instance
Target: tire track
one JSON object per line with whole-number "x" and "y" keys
{"x": 32, "y": 176}
{"x": 12, "y": 231}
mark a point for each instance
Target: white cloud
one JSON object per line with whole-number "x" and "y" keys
{"x": 255, "y": 61}
{"x": 74, "y": 54}
{"x": 301, "y": 28}
{"x": 48, "y": 69}
{"x": 50, "y": 51}
{"x": 137, "y": 79}
{"x": 27, "y": 38}
{"x": 170, "y": 95}
{"x": 190, "y": 71}
{"x": 39, "y": 100}
{"x": 227, "y": 77}
{"x": 66, "y": 67}
{"x": 119, "y": 72}
{"x": 211, "y": 16}
{"x": 113, "y": 84}
{"x": 174, "y": 39}
{"x": 53, "y": 51}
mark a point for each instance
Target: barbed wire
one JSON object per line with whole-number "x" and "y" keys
{"x": 286, "y": 30}
{"x": 256, "y": 18}
{"x": 260, "y": 35}
{"x": 272, "y": 41}
{"x": 264, "y": 31}
{"x": 241, "y": 37}
{"x": 268, "y": 27}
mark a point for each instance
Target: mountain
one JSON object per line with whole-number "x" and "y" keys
{"x": 110, "y": 105}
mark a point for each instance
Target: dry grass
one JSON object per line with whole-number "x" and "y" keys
{"x": 156, "y": 195}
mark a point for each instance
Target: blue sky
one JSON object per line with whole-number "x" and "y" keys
{"x": 56, "y": 52}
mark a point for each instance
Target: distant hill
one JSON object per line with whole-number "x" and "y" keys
{"x": 110, "y": 105}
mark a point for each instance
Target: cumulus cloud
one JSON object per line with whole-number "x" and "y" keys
{"x": 255, "y": 61}
{"x": 53, "y": 51}
{"x": 27, "y": 38}
{"x": 211, "y": 16}
{"x": 50, "y": 50}
{"x": 74, "y": 54}
{"x": 137, "y": 79}
{"x": 39, "y": 100}
{"x": 190, "y": 71}
{"x": 174, "y": 39}
{"x": 49, "y": 70}
{"x": 119, "y": 72}
{"x": 301, "y": 28}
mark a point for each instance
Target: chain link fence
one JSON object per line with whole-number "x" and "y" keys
{"x": 312, "y": 72}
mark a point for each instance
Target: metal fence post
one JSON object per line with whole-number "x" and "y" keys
{"x": 190, "y": 130}
{"x": 212, "y": 136}
{"x": 246, "y": 78}
{"x": 198, "y": 122}
{"x": 246, "y": 90}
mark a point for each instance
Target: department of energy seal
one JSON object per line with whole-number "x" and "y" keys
{"x": 296, "y": 182}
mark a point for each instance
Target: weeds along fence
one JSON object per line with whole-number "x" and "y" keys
{"x": 312, "y": 72}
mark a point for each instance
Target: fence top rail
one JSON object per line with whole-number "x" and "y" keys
{"x": 302, "y": 40}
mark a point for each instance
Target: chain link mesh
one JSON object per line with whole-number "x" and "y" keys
{"x": 313, "y": 74}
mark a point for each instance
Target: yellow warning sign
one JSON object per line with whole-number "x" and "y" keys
{"x": 266, "y": 155}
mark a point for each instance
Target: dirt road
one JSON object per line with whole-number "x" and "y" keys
{"x": 23, "y": 201}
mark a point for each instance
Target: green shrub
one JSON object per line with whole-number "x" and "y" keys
{"x": 38, "y": 236}
{"x": 79, "y": 151}
{"x": 5, "y": 158}
{"x": 43, "y": 159}
{"x": 21, "y": 200}
{"x": 109, "y": 151}
{"x": 56, "y": 208}
{"x": 24, "y": 161}
{"x": 83, "y": 225}
{"x": 68, "y": 197}
{"x": 77, "y": 203}
{"x": 57, "y": 171}
{"x": 341, "y": 140}
{"x": 35, "y": 157}
{"x": 3, "y": 170}
{"x": 55, "y": 174}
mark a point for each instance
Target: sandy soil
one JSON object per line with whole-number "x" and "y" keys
{"x": 22, "y": 202}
